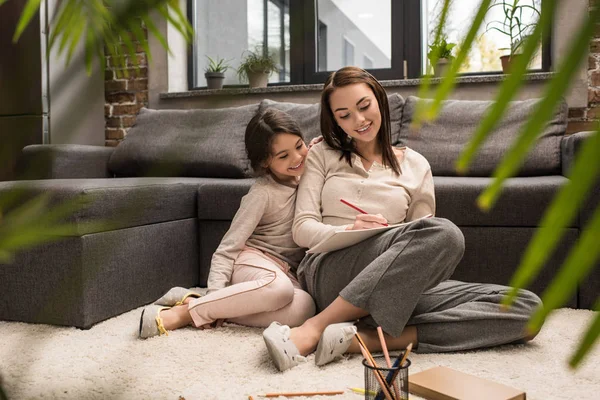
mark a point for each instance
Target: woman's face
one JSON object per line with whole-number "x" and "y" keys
{"x": 356, "y": 111}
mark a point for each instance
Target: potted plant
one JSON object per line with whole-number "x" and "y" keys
{"x": 440, "y": 55}
{"x": 215, "y": 72}
{"x": 513, "y": 26}
{"x": 256, "y": 67}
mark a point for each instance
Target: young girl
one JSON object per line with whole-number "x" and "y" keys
{"x": 250, "y": 282}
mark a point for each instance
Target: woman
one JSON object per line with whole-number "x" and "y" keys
{"x": 397, "y": 279}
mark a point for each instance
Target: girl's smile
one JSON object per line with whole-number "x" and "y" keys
{"x": 288, "y": 153}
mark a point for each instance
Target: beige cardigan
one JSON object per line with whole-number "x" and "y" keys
{"x": 327, "y": 179}
{"x": 264, "y": 222}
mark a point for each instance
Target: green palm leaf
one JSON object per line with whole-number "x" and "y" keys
{"x": 583, "y": 175}
{"x": 423, "y": 114}
{"x": 508, "y": 90}
{"x": 31, "y": 8}
{"x": 106, "y": 23}
{"x": 557, "y": 217}
{"x": 424, "y": 87}
{"x": 543, "y": 112}
{"x": 589, "y": 338}
{"x": 578, "y": 264}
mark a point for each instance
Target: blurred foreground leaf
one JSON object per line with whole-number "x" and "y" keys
{"x": 36, "y": 221}
{"x": 583, "y": 175}
{"x": 105, "y": 24}
{"x": 589, "y": 338}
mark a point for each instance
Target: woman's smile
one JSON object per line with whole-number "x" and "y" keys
{"x": 364, "y": 129}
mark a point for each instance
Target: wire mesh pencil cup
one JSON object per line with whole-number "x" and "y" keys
{"x": 396, "y": 379}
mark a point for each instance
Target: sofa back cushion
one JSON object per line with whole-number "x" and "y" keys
{"x": 309, "y": 119}
{"x": 200, "y": 143}
{"x": 443, "y": 140}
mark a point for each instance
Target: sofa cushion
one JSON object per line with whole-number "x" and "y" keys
{"x": 199, "y": 143}
{"x": 220, "y": 199}
{"x": 116, "y": 203}
{"x": 522, "y": 203}
{"x": 443, "y": 140}
{"x": 308, "y": 115}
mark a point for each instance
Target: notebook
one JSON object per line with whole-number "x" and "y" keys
{"x": 442, "y": 383}
{"x": 343, "y": 239}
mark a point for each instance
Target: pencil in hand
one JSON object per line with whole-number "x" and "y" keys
{"x": 357, "y": 209}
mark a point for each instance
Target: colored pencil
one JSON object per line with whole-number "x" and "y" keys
{"x": 297, "y": 394}
{"x": 356, "y": 208}
{"x": 387, "y": 359}
{"x": 362, "y": 391}
{"x": 399, "y": 363}
{"x": 385, "y": 389}
{"x": 406, "y": 353}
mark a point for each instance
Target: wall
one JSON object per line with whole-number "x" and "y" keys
{"x": 583, "y": 97}
{"x": 124, "y": 95}
{"x": 587, "y": 118}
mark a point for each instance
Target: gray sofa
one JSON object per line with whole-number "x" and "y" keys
{"x": 167, "y": 195}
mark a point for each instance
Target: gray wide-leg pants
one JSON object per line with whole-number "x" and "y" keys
{"x": 401, "y": 278}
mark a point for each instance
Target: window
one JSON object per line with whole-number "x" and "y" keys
{"x": 278, "y": 37}
{"x": 311, "y": 38}
{"x": 226, "y": 29}
{"x": 347, "y": 54}
{"x": 322, "y": 47}
{"x": 489, "y": 45}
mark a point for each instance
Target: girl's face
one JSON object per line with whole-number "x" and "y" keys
{"x": 356, "y": 111}
{"x": 288, "y": 153}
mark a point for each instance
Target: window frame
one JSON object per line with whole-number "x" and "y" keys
{"x": 406, "y": 55}
{"x": 303, "y": 42}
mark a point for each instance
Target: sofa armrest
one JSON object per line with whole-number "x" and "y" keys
{"x": 64, "y": 161}
{"x": 570, "y": 145}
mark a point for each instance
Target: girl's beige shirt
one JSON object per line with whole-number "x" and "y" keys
{"x": 264, "y": 222}
{"x": 327, "y": 179}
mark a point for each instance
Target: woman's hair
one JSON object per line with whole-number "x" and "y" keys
{"x": 261, "y": 131}
{"x": 335, "y": 136}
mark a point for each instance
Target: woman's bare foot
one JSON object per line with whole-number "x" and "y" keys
{"x": 176, "y": 317}
{"x": 306, "y": 337}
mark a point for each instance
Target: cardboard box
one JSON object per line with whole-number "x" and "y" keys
{"x": 442, "y": 383}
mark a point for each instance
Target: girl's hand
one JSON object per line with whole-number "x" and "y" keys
{"x": 367, "y": 221}
{"x": 315, "y": 141}
{"x": 216, "y": 324}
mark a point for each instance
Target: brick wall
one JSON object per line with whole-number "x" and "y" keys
{"x": 586, "y": 119}
{"x": 124, "y": 96}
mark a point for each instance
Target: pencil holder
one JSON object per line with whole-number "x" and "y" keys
{"x": 396, "y": 379}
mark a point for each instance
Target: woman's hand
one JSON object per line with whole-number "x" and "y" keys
{"x": 216, "y": 324}
{"x": 367, "y": 221}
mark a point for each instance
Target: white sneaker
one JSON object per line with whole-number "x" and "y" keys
{"x": 334, "y": 342}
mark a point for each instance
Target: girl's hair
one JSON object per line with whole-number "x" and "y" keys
{"x": 335, "y": 136}
{"x": 261, "y": 131}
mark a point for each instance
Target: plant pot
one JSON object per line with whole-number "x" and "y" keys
{"x": 441, "y": 67}
{"x": 258, "y": 79}
{"x": 214, "y": 80}
{"x": 507, "y": 62}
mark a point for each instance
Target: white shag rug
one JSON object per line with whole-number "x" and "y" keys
{"x": 110, "y": 362}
